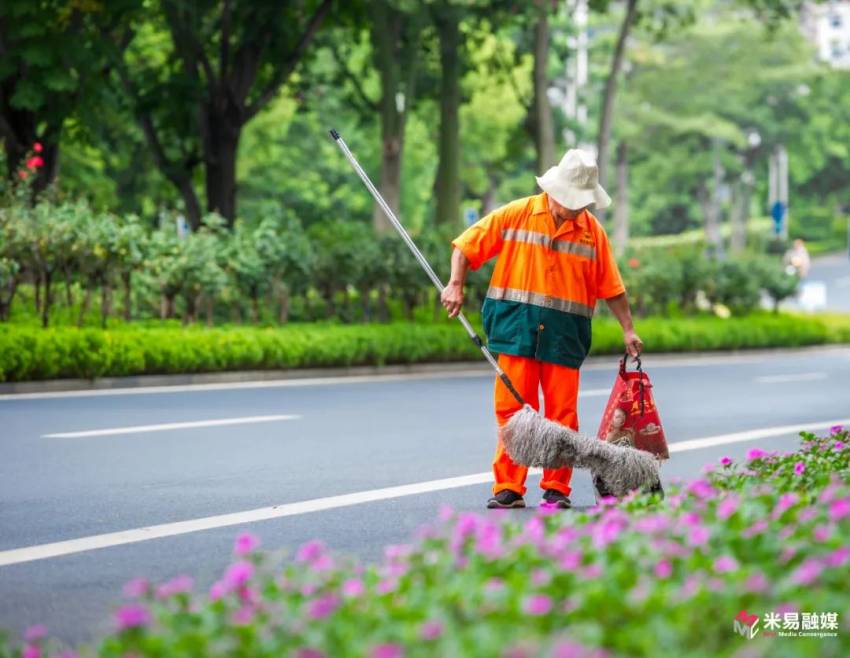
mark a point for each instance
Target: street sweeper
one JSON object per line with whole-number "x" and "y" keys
{"x": 554, "y": 261}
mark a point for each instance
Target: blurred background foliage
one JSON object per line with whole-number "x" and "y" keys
{"x": 183, "y": 166}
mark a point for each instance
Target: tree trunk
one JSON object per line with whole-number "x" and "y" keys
{"x": 396, "y": 67}
{"x": 607, "y": 115}
{"x": 209, "y": 303}
{"x": 220, "y": 135}
{"x": 6, "y": 300}
{"x": 283, "y": 318}
{"x": 84, "y": 307}
{"x": 191, "y": 205}
{"x": 447, "y": 183}
{"x": 45, "y": 305}
{"x": 37, "y": 297}
{"x": 544, "y": 131}
{"x": 383, "y": 311}
{"x": 255, "y": 307}
{"x": 366, "y": 302}
{"x": 105, "y": 302}
{"x": 127, "y": 278}
{"x": 621, "y": 210}
{"x": 69, "y": 295}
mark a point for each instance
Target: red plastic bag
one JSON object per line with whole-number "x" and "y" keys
{"x": 631, "y": 417}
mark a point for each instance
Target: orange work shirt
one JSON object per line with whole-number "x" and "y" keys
{"x": 546, "y": 281}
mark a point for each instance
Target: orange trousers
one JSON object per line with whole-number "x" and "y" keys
{"x": 560, "y": 398}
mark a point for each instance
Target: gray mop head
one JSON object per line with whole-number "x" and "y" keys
{"x": 532, "y": 440}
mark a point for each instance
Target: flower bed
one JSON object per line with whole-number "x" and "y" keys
{"x": 638, "y": 577}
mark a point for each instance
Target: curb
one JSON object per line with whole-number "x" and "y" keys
{"x": 466, "y": 367}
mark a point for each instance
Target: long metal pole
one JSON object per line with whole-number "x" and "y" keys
{"x": 422, "y": 261}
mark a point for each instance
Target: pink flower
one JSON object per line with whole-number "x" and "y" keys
{"x": 838, "y": 445}
{"x": 799, "y": 467}
{"x": 31, "y": 651}
{"x": 726, "y": 461}
{"x": 494, "y": 585}
{"x": 244, "y": 615}
{"x": 36, "y": 632}
{"x": 387, "y": 651}
{"x": 37, "y": 148}
{"x": 386, "y": 585}
{"x": 605, "y": 532}
{"x": 756, "y": 528}
{"x": 822, "y": 532}
{"x": 310, "y": 551}
{"x": 35, "y": 162}
{"x": 835, "y": 429}
{"x": 431, "y": 630}
{"x": 445, "y": 513}
{"x": 728, "y": 506}
{"x": 540, "y": 577}
{"x": 839, "y": 509}
{"x": 807, "y": 572}
{"x": 756, "y": 453}
{"x": 136, "y": 588}
{"x": 322, "y": 563}
{"x": 698, "y": 536}
{"x": 652, "y": 524}
{"x": 663, "y": 569}
{"x": 217, "y": 590}
{"x": 725, "y": 563}
{"x": 238, "y": 574}
{"x": 537, "y": 604}
{"x": 248, "y": 594}
{"x": 246, "y": 543}
{"x": 353, "y": 587}
{"x": 786, "y": 501}
{"x": 838, "y": 557}
{"x": 570, "y": 560}
{"x": 323, "y": 606}
{"x": 701, "y": 489}
{"x": 178, "y": 585}
{"x": 756, "y": 583}
{"x": 133, "y": 615}
{"x": 591, "y": 571}
{"x": 67, "y": 653}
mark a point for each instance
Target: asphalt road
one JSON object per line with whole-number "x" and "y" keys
{"x": 345, "y": 438}
{"x": 833, "y": 271}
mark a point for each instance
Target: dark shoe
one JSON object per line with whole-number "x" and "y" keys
{"x": 601, "y": 489}
{"x": 505, "y": 499}
{"x": 556, "y": 498}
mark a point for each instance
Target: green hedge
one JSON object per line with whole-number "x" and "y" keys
{"x": 29, "y": 353}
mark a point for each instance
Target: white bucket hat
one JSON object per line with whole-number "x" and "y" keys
{"x": 574, "y": 181}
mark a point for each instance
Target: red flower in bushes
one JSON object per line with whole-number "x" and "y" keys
{"x": 22, "y": 174}
{"x": 37, "y": 147}
{"x": 634, "y": 262}
{"x": 35, "y": 162}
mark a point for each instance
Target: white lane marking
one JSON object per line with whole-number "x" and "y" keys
{"x": 594, "y": 392}
{"x": 666, "y": 362}
{"x": 68, "y": 547}
{"x": 752, "y": 435}
{"x": 170, "y": 426}
{"x": 226, "y": 386}
{"x": 795, "y": 377}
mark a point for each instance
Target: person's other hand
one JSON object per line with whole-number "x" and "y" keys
{"x": 634, "y": 345}
{"x": 452, "y": 298}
